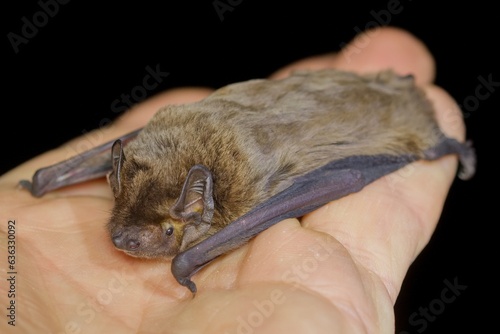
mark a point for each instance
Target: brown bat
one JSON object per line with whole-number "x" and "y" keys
{"x": 203, "y": 178}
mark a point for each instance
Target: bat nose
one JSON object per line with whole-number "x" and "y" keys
{"x": 122, "y": 241}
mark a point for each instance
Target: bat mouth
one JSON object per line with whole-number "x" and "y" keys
{"x": 130, "y": 253}
{"x": 133, "y": 253}
{"x": 140, "y": 255}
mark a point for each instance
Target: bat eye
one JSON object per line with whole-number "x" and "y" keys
{"x": 169, "y": 231}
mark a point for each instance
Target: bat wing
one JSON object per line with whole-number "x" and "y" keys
{"x": 89, "y": 165}
{"x": 309, "y": 192}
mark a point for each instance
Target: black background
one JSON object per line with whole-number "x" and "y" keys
{"x": 61, "y": 83}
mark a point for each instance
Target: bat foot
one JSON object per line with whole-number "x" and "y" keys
{"x": 467, "y": 160}
{"x": 465, "y": 152}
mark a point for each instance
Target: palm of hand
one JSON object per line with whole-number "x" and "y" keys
{"x": 340, "y": 268}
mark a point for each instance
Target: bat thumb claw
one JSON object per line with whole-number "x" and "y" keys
{"x": 25, "y": 184}
{"x": 28, "y": 185}
{"x": 189, "y": 284}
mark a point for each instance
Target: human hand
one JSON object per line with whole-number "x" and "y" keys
{"x": 337, "y": 270}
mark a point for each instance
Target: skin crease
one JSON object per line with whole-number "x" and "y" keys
{"x": 346, "y": 261}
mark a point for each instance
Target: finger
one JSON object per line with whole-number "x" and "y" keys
{"x": 375, "y": 50}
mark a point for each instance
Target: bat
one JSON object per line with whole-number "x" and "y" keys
{"x": 203, "y": 178}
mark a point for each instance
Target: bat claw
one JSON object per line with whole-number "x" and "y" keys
{"x": 25, "y": 184}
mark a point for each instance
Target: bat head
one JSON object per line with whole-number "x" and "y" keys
{"x": 149, "y": 221}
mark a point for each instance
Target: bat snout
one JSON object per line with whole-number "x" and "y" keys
{"x": 123, "y": 241}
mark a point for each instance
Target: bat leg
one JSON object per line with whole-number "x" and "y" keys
{"x": 310, "y": 191}
{"x": 465, "y": 151}
{"x": 89, "y": 165}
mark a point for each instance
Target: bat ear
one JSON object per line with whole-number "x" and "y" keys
{"x": 195, "y": 203}
{"x": 117, "y": 159}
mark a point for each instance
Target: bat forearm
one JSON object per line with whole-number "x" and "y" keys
{"x": 89, "y": 165}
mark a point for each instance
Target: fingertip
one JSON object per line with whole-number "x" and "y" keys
{"x": 388, "y": 47}
{"x": 312, "y": 63}
{"x": 374, "y": 50}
